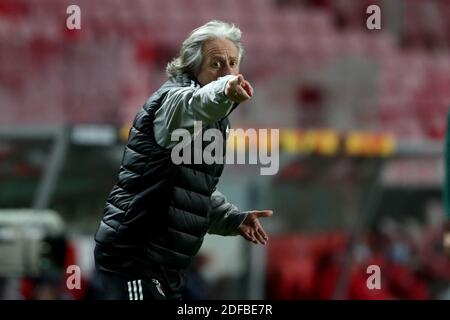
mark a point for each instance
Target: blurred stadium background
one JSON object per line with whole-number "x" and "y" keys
{"x": 362, "y": 118}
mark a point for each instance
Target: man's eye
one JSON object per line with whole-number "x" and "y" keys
{"x": 233, "y": 63}
{"x": 216, "y": 64}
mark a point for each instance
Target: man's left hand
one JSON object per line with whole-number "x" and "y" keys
{"x": 251, "y": 228}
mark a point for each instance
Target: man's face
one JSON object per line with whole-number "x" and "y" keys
{"x": 220, "y": 58}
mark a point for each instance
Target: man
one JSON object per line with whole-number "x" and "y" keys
{"x": 446, "y": 189}
{"x": 158, "y": 212}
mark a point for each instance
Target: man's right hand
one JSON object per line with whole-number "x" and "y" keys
{"x": 446, "y": 238}
{"x": 446, "y": 243}
{"x": 238, "y": 89}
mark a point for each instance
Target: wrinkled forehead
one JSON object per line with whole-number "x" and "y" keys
{"x": 220, "y": 48}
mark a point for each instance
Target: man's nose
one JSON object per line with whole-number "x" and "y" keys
{"x": 227, "y": 70}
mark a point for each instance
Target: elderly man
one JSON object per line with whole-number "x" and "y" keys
{"x": 158, "y": 213}
{"x": 446, "y": 189}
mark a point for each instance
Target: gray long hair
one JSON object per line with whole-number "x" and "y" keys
{"x": 190, "y": 57}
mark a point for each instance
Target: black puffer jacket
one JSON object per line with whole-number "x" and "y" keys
{"x": 157, "y": 213}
